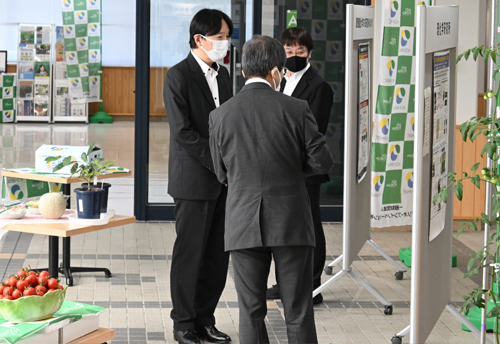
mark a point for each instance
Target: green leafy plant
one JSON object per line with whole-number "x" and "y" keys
{"x": 87, "y": 170}
{"x": 490, "y": 254}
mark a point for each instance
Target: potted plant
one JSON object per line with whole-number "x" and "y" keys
{"x": 89, "y": 197}
{"x": 489, "y": 255}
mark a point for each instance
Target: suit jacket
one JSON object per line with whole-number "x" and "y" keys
{"x": 262, "y": 143}
{"x": 188, "y": 102}
{"x": 318, "y": 94}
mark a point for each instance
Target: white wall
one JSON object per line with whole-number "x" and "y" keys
{"x": 470, "y": 74}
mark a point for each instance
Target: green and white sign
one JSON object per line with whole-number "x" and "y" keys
{"x": 8, "y": 93}
{"x": 82, "y": 36}
{"x": 393, "y": 134}
{"x": 291, "y": 18}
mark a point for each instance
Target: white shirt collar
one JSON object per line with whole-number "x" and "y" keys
{"x": 298, "y": 74}
{"x": 204, "y": 67}
{"x": 254, "y": 80}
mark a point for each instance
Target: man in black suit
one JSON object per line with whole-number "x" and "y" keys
{"x": 304, "y": 83}
{"x": 193, "y": 88}
{"x": 263, "y": 143}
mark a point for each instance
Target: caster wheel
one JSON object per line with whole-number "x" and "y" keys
{"x": 328, "y": 270}
{"x": 396, "y": 340}
{"x": 107, "y": 273}
{"x": 399, "y": 275}
{"x": 69, "y": 281}
{"x": 388, "y": 310}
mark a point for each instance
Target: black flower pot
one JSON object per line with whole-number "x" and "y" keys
{"x": 88, "y": 203}
{"x": 105, "y": 186}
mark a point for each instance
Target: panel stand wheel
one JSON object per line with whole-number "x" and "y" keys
{"x": 388, "y": 310}
{"x": 69, "y": 281}
{"x": 396, "y": 340}
{"x": 107, "y": 273}
{"x": 328, "y": 270}
{"x": 399, "y": 275}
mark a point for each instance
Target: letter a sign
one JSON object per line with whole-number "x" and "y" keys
{"x": 291, "y": 18}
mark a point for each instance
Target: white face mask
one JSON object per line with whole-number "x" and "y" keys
{"x": 277, "y": 88}
{"x": 219, "y": 49}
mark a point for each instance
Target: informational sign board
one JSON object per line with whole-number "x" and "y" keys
{"x": 8, "y": 94}
{"x": 364, "y": 137}
{"x": 34, "y": 71}
{"x": 291, "y": 18}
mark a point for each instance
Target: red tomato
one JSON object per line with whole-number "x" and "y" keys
{"x": 31, "y": 280}
{"x": 21, "y": 285}
{"x": 1, "y": 289}
{"x": 29, "y": 291}
{"x": 60, "y": 287}
{"x": 21, "y": 273}
{"x": 44, "y": 273}
{"x": 16, "y": 294}
{"x": 13, "y": 281}
{"x": 40, "y": 293}
{"x": 50, "y": 290}
{"x": 42, "y": 280}
{"x": 32, "y": 272}
{"x": 1, "y": 297}
{"x": 7, "y": 291}
{"x": 6, "y": 282}
{"x": 52, "y": 283}
{"x": 8, "y": 297}
{"x": 40, "y": 288}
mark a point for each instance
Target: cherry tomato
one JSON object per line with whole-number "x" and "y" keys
{"x": 50, "y": 290}
{"x": 21, "y": 285}
{"x": 60, "y": 287}
{"x": 42, "y": 280}
{"x": 7, "y": 291}
{"x": 31, "y": 280}
{"x": 40, "y": 293}
{"x": 32, "y": 272}
{"x": 1, "y": 297}
{"x": 1, "y": 289}
{"x": 20, "y": 274}
{"x": 16, "y": 294}
{"x": 29, "y": 291}
{"x": 13, "y": 281}
{"x": 52, "y": 283}
{"x": 44, "y": 273}
{"x": 40, "y": 288}
{"x": 8, "y": 297}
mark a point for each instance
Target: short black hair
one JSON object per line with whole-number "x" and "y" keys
{"x": 260, "y": 55}
{"x": 297, "y": 36}
{"x": 208, "y": 22}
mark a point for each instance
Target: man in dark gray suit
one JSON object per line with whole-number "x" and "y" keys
{"x": 263, "y": 143}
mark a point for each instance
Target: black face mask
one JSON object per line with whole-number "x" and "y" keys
{"x": 296, "y": 63}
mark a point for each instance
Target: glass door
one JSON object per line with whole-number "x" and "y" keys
{"x": 162, "y": 41}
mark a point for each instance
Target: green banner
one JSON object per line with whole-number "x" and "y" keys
{"x": 392, "y": 151}
{"x": 82, "y": 36}
{"x": 8, "y": 94}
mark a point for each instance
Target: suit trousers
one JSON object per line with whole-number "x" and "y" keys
{"x": 294, "y": 269}
{"x": 320, "y": 250}
{"x": 199, "y": 263}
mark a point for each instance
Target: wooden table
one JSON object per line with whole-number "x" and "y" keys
{"x": 98, "y": 336}
{"x": 56, "y": 232}
{"x": 66, "y": 230}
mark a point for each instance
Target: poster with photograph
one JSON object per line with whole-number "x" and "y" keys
{"x": 25, "y": 89}
{"x": 363, "y": 110}
{"x": 25, "y": 108}
{"x": 41, "y": 107}
{"x": 42, "y": 87}
{"x": 26, "y": 54}
{"x": 441, "y": 113}
{"x": 42, "y": 69}
{"x": 27, "y": 34}
{"x": 78, "y": 109}
{"x": 26, "y": 70}
{"x": 43, "y": 34}
{"x": 43, "y": 52}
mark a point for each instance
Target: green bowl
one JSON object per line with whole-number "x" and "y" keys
{"x": 32, "y": 308}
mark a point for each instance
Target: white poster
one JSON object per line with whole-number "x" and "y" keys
{"x": 363, "y": 111}
{"x": 441, "y": 69}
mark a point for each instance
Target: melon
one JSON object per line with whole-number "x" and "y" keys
{"x": 52, "y": 205}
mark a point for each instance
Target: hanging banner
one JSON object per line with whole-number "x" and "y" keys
{"x": 392, "y": 150}
{"x": 82, "y": 38}
{"x": 8, "y": 93}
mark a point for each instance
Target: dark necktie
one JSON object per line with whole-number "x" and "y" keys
{"x": 283, "y": 83}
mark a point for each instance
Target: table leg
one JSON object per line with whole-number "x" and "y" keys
{"x": 53, "y": 256}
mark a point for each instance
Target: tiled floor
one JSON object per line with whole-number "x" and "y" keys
{"x": 138, "y": 294}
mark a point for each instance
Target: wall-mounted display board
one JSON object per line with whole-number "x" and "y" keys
{"x": 34, "y": 73}
{"x": 65, "y": 110}
{"x": 3, "y": 61}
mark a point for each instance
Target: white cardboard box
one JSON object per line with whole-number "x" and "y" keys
{"x": 54, "y": 150}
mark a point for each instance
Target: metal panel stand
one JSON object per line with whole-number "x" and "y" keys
{"x": 398, "y": 274}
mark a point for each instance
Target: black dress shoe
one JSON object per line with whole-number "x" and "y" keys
{"x": 213, "y": 335}
{"x": 317, "y": 299}
{"x": 273, "y": 293}
{"x": 186, "y": 337}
